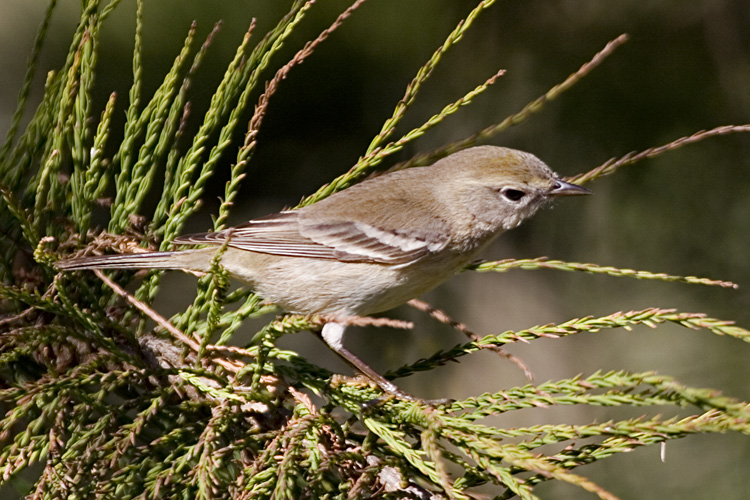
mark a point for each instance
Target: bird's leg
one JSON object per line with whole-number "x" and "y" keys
{"x": 333, "y": 335}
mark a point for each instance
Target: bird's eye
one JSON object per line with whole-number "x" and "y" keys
{"x": 513, "y": 194}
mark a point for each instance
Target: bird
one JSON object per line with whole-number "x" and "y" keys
{"x": 373, "y": 246}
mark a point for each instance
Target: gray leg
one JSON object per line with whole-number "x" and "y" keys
{"x": 333, "y": 335}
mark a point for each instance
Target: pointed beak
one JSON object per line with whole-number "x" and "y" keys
{"x": 562, "y": 188}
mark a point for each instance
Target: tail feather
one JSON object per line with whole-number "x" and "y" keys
{"x": 148, "y": 260}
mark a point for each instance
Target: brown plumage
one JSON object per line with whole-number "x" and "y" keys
{"x": 375, "y": 245}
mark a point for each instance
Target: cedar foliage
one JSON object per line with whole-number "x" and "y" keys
{"x": 100, "y": 402}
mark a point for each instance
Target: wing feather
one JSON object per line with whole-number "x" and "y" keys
{"x": 289, "y": 234}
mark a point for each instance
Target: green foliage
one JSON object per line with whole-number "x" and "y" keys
{"x": 114, "y": 408}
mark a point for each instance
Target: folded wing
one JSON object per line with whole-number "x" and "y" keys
{"x": 291, "y": 234}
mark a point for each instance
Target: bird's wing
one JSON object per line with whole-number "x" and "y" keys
{"x": 289, "y": 234}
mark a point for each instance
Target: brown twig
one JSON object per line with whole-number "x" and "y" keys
{"x": 366, "y": 321}
{"x": 161, "y": 321}
{"x": 273, "y": 84}
{"x": 442, "y": 317}
{"x": 533, "y": 107}
{"x": 614, "y": 164}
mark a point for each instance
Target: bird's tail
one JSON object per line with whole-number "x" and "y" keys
{"x": 147, "y": 260}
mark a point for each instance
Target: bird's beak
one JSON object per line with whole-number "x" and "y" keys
{"x": 562, "y": 188}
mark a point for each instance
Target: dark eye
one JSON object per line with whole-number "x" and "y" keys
{"x": 513, "y": 194}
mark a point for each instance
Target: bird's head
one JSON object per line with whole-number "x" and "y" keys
{"x": 502, "y": 187}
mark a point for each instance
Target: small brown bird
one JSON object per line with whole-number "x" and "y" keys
{"x": 373, "y": 246}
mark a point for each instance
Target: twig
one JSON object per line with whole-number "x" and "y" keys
{"x": 366, "y": 321}
{"x": 160, "y": 320}
{"x": 614, "y": 164}
{"x": 544, "y": 263}
{"x": 442, "y": 317}
{"x": 533, "y": 107}
{"x": 299, "y": 57}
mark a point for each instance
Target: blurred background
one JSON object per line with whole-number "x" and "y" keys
{"x": 685, "y": 213}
